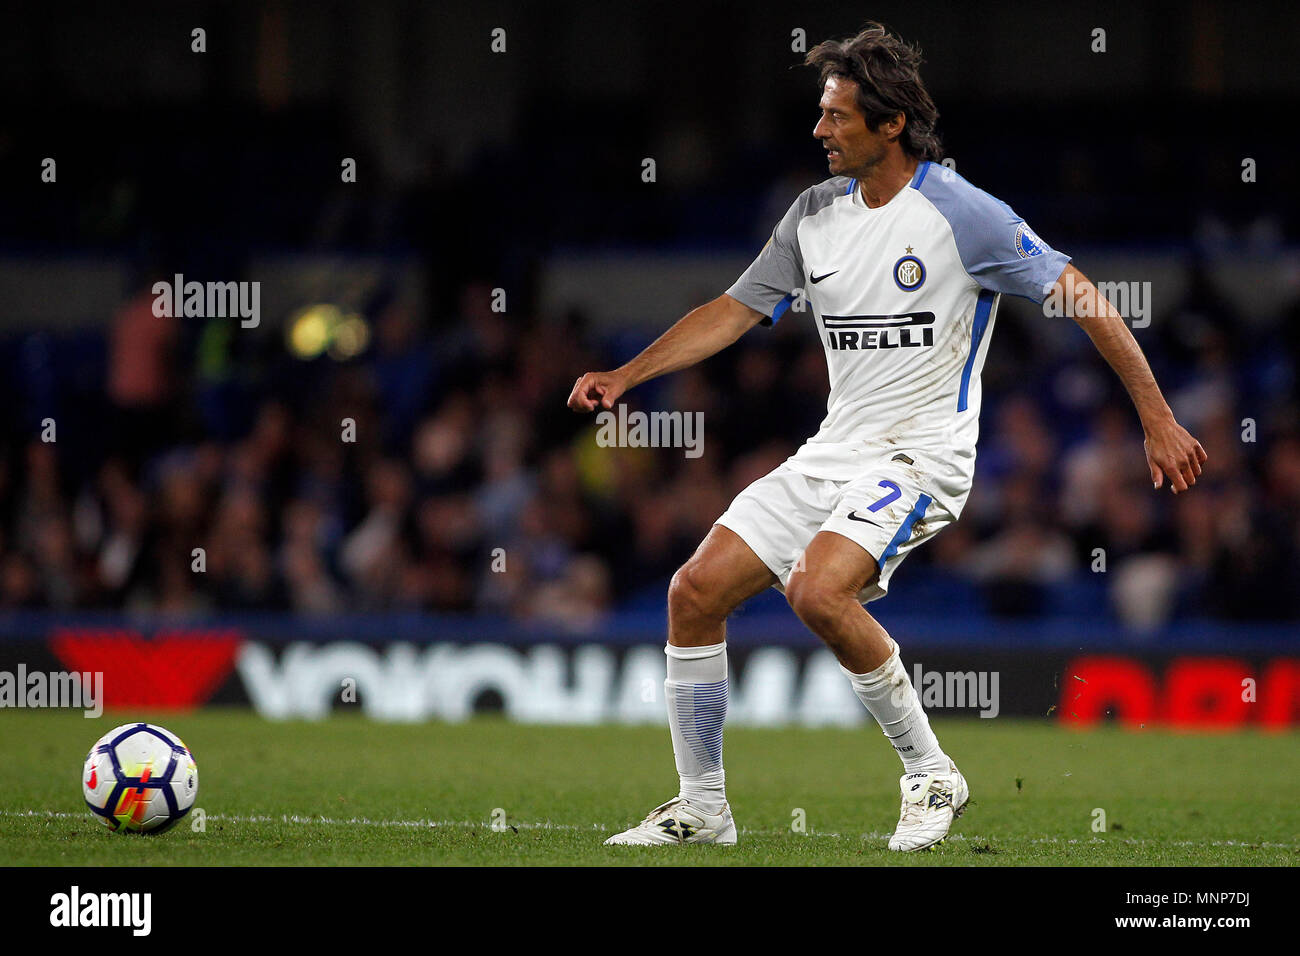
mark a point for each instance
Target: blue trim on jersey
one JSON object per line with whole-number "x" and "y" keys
{"x": 782, "y": 308}
{"x": 852, "y": 183}
{"x": 905, "y": 530}
{"x": 982, "y": 310}
{"x": 920, "y": 174}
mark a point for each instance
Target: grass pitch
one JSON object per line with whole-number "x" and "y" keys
{"x": 350, "y": 791}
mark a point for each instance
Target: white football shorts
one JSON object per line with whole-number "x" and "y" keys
{"x": 888, "y": 511}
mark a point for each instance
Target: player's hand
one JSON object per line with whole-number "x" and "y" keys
{"x": 1172, "y": 452}
{"x": 594, "y": 389}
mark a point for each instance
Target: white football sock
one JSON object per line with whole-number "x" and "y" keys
{"x": 696, "y": 689}
{"x": 888, "y": 694}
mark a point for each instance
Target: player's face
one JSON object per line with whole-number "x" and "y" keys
{"x": 851, "y": 148}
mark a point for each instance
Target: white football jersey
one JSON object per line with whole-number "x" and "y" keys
{"x": 904, "y": 298}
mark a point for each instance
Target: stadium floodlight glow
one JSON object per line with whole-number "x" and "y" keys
{"x": 322, "y": 328}
{"x": 311, "y": 329}
{"x": 351, "y": 336}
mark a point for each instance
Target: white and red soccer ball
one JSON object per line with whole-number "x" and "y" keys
{"x": 139, "y": 778}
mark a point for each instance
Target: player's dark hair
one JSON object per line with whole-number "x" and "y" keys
{"x": 888, "y": 74}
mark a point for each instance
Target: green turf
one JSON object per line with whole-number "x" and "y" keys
{"x": 1169, "y": 798}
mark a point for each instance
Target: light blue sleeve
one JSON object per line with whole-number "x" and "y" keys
{"x": 768, "y": 284}
{"x": 996, "y": 246}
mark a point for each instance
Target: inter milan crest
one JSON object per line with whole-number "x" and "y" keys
{"x": 909, "y": 272}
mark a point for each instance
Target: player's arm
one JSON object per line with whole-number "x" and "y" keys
{"x": 694, "y": 337}
{"x": 1170, "y": 449}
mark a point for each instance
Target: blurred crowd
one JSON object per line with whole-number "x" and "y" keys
{"x": 213, "y": 471}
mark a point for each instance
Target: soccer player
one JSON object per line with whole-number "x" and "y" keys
{"x": 901, "y": 263}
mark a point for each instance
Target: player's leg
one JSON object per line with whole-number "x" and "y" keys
{"x": 723, "y": 573}
{"x": 826, "y": 592}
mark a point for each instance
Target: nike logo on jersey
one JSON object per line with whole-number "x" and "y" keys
{"x": 816, "y": 279}
{"x": 904, "y": 330}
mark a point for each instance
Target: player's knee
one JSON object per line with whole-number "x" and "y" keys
{"x": 689, "y": 595}
{"x": 816, "y": 601}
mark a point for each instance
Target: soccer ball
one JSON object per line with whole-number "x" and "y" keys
{"x": 139, "y": 778}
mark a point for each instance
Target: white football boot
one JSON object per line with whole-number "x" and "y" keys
{"x": 677, "y": 821}
{"x": 931, "y": 801}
